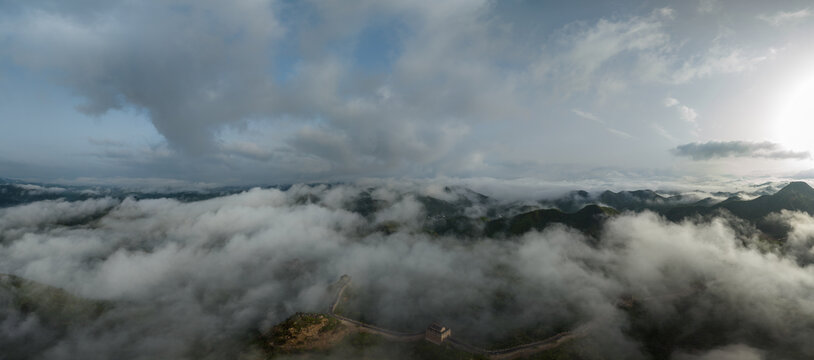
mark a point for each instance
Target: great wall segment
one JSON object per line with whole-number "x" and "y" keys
{"x": 440, "y": 334}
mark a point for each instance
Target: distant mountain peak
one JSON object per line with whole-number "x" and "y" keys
{"x": 797, "y": 187}
{"x": 594, "y": 209}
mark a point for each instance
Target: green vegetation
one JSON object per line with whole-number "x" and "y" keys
{"x": 659, "y": 339}
{"x": 797, "y": 196}
{"x": 388, "y": 227}
{"x": 362, "y": 345}
{"x": 52, "y": 305}
{"x": 588, "y": 220}
{"x": 344, "y": 306}
{"x": 637, "y": 200}
{"x": 295, "y": 326}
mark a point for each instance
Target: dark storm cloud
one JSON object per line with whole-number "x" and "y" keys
{"x": 721, "y": 149}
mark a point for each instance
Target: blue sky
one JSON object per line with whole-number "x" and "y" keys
{"x": 280, "y": 91}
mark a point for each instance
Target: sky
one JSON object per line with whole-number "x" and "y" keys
{"x": 249, "y": 92}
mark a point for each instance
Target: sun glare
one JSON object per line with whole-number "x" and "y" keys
{"x": 795, "y": 120}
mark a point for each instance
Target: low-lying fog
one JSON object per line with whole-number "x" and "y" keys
{"x": 198, "y": 279}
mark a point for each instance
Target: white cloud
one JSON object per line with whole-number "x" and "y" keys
{"x": 670, "y": 102}
{"x": 662, "y": 132}
{"x": 782, "y": 17}
{"x": 729, "y": 352}
{"x": 214, "y": 271}
{"x": 717, "y": 61}
{"x": 708, "y": 6}
{"x": 461, "y": 78}
{"x": 591, "y": 47}
{"x": 248, "y": 149}
{"x": 620, "y": 133}
{"x": 37, "y": 189}
{"x": 592, "y": 117}
{"x": 686, "y": 113}
{"x": 666, "y": 12}
{"x": 587, "y": 115}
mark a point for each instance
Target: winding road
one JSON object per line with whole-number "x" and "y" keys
{"x": 507, "y": 353}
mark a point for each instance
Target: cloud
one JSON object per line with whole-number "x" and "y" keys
{"x": 38, "y": 189}
{"x": 591, "y": 47}
{"x": 708, "y": 6}
{"x": 718, "y": 59}
{"x": 687, "y": 113}
{"x": 592, "y": 117}
{"x": 225, "y": 74}
{"x": 105, "y": 142}
{"x": 212, "y": 272}
{"x": 146, "y": 185}
{"x": 249, "y": 150}
{"x": 662, "y": 132}
{"x": 587, "y": 115}
{"x": 730, "y": 352}
{"x": 719, "y": 149}
{"x": 805, "y": 174}
{"x": 446, "y": 90}
{"x": 782, "y": 17}
{"x": 49, "y": 213}
{"x": 619, "y": 133}
{"x": 670, "y": 102}
{"x": 444, "y": 82}
{"x": 189, "y": 93}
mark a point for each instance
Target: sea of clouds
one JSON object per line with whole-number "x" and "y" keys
{"x": 200, "y": 279}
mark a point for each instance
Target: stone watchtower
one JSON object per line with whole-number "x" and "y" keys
{"x": 437, "y": 333}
